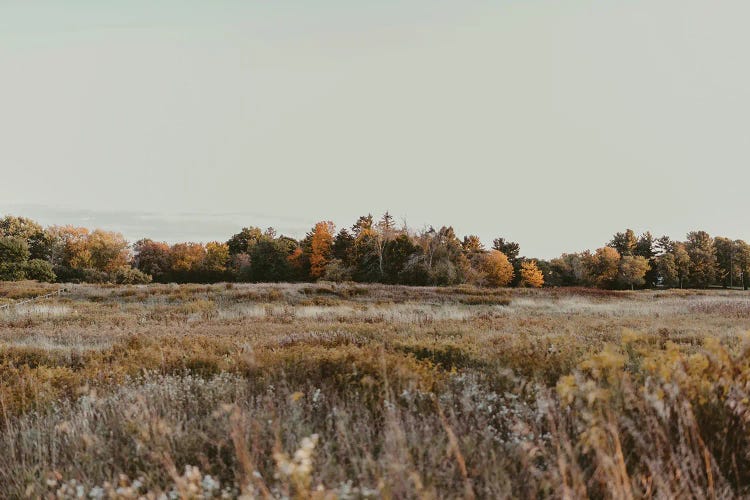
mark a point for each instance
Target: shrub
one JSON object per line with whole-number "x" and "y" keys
{"x": 12, "y": 272}
{"x": 337, "y": 271}
{"x": 130, "y": 276}
{"x": 40, "y": 270}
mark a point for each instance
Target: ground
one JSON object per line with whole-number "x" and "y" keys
{"x": 355, "y": 391}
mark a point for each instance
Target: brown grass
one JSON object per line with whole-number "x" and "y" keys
{"x": 352, "y": 391}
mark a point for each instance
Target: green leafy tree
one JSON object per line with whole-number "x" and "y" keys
{"x": 13, "y": 250}
{"x": 625, "y": 243}
{"x": 39, "y": 270}
{"x": 269, "y": 261}
{"x": 337, "y": 271}
{"x": 29, "y": 231}
{"x": 703, "y": 265}
{"x": 14, "y": 254}
{"x": 343, "y": 245}
{"x": 568, "y": 270}
{"x": 243, "y": 241}
{"x": 666, "y": 269}
{"x": 731, "y": 261}
{"x": 396, "y": 256}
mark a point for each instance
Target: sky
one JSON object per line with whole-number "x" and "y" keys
{"x": 554, "y": 124}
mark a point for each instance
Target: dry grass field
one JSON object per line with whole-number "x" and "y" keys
{"x": 353, "y": 391}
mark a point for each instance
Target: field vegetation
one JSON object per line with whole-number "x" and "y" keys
{"x": 372, "y": 391}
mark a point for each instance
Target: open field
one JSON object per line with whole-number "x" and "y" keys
{"x": 353, "y": 391}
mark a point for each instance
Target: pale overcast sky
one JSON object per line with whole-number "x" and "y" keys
{"x": 553, "y": 123}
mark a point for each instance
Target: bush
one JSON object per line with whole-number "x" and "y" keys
{"x": 67, "y": 274}
{"x": 40, "y": 270}
{"x": 337, "y": 271}
{"x": 13, "y": 250}
{"x": 130, "y": 276}
{"x": 11, "y": 272}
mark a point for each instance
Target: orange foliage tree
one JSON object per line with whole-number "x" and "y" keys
{"x": 496, "y": 268}
{"x": 531, "y": 276}
{"x": 321, "y": 244}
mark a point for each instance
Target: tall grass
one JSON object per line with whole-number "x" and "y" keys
{"x": 385, "y": 392}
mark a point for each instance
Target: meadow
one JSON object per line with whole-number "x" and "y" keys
{"x": 372, "y": 391}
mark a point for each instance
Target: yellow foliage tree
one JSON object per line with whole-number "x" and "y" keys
{"x": 496, "y": 269}
{"x": 531, "y": 276}
{"x": 217, "y": 257}
{"x": 70, "y": 246}
{"x": 109, "y": 250}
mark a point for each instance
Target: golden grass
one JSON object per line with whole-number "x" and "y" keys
{"x": 352, "y": 391}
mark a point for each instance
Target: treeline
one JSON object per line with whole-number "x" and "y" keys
{"x": 371, "y": 251}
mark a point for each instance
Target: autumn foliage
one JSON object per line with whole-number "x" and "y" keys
{"x": 371, "y": 251}
{"x": 321, "y": 244}
{"x": 531, "y": 276}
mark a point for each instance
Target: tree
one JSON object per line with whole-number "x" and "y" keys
{"x": 512, "y": 250}
{"x": 682, "y": 262}
{"x": 646, "y": 248}
{"x": 742, "y": 254}
{"x": 343, "y": 245}
{"x": 365, "y": 251}
{"x": 321, "y": 244}
{"x": 39, "y": 270}
{"x": 666, "y": 269}
{"x": 731, "y": 259}
{"x": 69, "y": 247}
{"x": 337, "y": 271}
{"x": 703, "y": 266}
{"x": 633, "y": 270}
{"x": 382, "y": 233}
{"x": 531, "y": 276}
{"x": 604, "y": 266}
{"x": 625, "y": 243}
{"x": 447, "y": 263}
{"x": 364, "y": 223}
{"x": 216, "y": 259}
{"x": 109, "y": 251}
{"x": 14, "y": 254}
{"x": 569, "y": 269}
{"x": 645, "y": 245}
{"x": 186, "y": 262}
{"x": 396, "y": 256}
{"x": 472, "y": 244}
{"x": 270, "y": 261}
{"x": 243, "y": 241}
{"x": 152, "y": 258}
{"x": 28, "y": 230}
{"x": 496, "y": 268}
{"x": 13, "y": 250}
